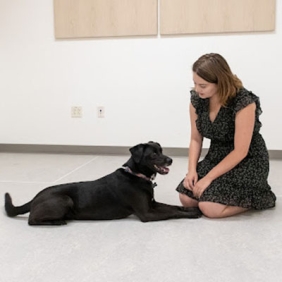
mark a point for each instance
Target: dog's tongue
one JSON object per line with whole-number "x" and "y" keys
{"x": 164, "y": 169}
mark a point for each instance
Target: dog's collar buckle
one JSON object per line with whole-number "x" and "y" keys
{"x": 127, "y": 169}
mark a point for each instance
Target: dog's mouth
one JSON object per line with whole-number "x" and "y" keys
{"x": 161, "y": 169}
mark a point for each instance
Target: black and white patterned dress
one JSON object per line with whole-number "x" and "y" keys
{"x": 246, "y": 184}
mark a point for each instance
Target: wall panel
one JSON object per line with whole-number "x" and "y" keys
{"x": 102, "y": 18}
{"x": 215, "y": 16}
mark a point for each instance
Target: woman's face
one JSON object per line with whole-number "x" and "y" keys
{"x": 203, "y": 88}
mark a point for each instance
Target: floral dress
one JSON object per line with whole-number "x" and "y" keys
{"x": 246, "y": 184}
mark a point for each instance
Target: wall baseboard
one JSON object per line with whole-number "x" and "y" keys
{"x": 100, "y": 150}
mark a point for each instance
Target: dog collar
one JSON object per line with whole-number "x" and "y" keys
{"x": 127, "y": 169}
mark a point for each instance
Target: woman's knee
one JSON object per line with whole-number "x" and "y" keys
{"x": 212, "y": 210}
{"x": 187, "y": 201}
{"x": 216, "y": 210}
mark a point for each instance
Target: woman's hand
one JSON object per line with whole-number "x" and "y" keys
{"x": 190, "y": 180}
{"x": 201, "y": 186}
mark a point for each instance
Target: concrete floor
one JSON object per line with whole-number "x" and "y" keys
{"x": 246, "y": 248}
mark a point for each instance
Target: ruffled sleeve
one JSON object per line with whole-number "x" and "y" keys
{"x": 245, "y": 98}
{"x": 197, "y": 102}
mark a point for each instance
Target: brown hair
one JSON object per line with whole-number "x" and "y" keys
{"x": 214, "y": 69}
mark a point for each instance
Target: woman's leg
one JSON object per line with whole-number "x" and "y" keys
{"x": 187, "y": 201}
{"x": 215, "y": 210}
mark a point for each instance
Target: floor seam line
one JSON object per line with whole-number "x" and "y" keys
{"x": 25, "y": 182}
{"x": 81, "y": 166}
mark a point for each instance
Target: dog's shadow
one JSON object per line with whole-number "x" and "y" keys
{"x": 131, "y": 218}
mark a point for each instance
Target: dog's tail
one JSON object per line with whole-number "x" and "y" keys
{"x": 11, "y": 210}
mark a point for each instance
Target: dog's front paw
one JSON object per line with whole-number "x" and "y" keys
{"x": 192, "y": 212}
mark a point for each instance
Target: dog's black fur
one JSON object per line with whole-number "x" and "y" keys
{"x": 126, "y": 191}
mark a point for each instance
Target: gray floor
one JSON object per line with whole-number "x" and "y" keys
{"x": 247, "y": 247}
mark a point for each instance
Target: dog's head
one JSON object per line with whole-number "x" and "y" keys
{"x": 149, "y": 158}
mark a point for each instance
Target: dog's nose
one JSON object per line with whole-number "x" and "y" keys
{"x": 168, "y": 161}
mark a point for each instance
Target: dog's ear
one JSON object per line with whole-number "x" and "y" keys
{"x": 154, "y": 143}
{"x": 137, "y": 152}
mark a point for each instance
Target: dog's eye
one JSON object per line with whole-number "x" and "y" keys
{"x": 154, "y": 155}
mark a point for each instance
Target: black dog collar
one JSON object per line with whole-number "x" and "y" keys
{"x": 127, "y": 169}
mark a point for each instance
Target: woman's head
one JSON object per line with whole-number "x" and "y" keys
{"x": 214, "y": 69}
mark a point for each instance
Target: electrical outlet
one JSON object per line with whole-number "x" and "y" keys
{"x": 76, "y": 112}
{"x": 101, "y": 112}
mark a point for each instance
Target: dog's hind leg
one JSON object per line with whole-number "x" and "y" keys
{"x": 52, "y": 211}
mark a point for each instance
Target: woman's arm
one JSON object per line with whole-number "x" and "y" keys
{"x": 195, "y": 149}
{"x": 196, "y": 141}
{"x": 244, "y": 126}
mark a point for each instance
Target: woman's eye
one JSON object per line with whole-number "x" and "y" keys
{"x": 202, "y": 86}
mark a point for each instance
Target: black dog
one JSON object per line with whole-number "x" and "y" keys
{"x": 128, "y": 190}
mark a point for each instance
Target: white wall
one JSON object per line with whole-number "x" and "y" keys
{"x": 143, "y": 83}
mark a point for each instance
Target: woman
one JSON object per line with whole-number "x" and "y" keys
{"x": 232, "y": 178}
